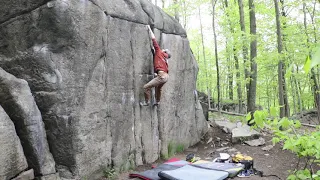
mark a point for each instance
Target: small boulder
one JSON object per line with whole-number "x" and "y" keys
{"x": 267, "y": 148}
{"x": 256, "y": 142}
{"x": 226, "y": 126}
{"x": 244, "y": 132}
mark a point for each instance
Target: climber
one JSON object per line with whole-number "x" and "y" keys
{"x": 160, "y": 64}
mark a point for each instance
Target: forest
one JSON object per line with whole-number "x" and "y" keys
{"x": 254, "y": 53}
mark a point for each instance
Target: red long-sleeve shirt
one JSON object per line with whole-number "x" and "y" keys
{"x": 160, "y": 63}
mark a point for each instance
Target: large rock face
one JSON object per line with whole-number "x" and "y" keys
{"x": 86, "y": 62}
{"x": 18, "y": 102}
{"x": 12, "y": 158}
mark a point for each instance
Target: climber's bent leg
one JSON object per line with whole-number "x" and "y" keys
{"x": 147, "y": 87}
{"x": 163, "y": 78}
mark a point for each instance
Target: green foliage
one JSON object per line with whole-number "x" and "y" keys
{"x": 174, "y": 148}
{"x": 110, "y": 173}
{"x": 180, "y": 148}
{"x": 314, "y": 61}
{"x": 303, "y": 144}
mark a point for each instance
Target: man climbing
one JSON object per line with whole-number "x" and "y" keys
{"x": 160, "y": 64}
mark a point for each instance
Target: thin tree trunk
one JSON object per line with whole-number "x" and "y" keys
{"x": 239, "y": 90}
{"x": 244, "y": 47}
{"x": 162, "y": 4}
{"x": 176, "y": 10}
{"x": 298, "y": 94}
{"x": 293, "y": 95}
{"x": 230, "y": 71}
{"x": 253, "y": 55}
{"x": 184, "y": 14}
{"x": 230, "y": 78}
{"x": 204, "y": 57}
{"x": 280, "y": 64}
{"x": 285, "y": 92}
{"x": 216, "y": 51}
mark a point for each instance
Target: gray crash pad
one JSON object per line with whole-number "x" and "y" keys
{"x": 189, "y": 172}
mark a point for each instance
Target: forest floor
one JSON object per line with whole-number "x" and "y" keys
{"x": 273, "y": 162}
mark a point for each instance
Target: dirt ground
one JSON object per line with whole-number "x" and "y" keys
{"x": 273, "y": 162}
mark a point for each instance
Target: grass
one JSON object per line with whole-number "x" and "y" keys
{"x": 175, "y": 148}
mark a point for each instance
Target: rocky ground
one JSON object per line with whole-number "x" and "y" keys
{"x": 272, "y": 160}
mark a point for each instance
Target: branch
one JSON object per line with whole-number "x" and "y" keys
{"x": 226, "y": 112}
{"x": 309, "y": 125}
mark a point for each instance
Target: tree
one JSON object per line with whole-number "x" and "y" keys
{"x": 315, "y": 87}
{"x": 204, "y": 58}
{"x": 176, "y": 10}
{"x": 284, "y": 107}
{"x": 214, "y": 2}
{"x": 253, "y": 54}
{"x": 244, "y": 45}
{"x": 230, "y": 68}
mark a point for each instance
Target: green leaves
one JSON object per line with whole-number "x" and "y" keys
{"x": 273, "y": 111}
{"x": 275, "y": 140}
{"x": 285, "y": 123}
{"x": 314, "y": 61}
{"x": 307, "y": 65}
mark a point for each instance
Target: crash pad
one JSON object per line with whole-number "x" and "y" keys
{"x": 232, "y": 168}
{"x": 152, "y": 174}
{"x": 189, "y": 172}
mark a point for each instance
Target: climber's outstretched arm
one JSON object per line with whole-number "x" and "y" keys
{"x": 151, "y": 33}
{"x": 155, "y": 44}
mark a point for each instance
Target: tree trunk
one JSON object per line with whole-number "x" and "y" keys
{"x": 253, "y": 55}
{"x": 184, "y": 14}
{"x": 162, "y": 4}
{"x": 285, "y": 92}
{"x": 230, "y": 78}
{"x": 230, "y": 68}
{"x": 281, "y": 81}
{"x": 176, "y": 10}
{"x": 216, "y": 51}
{"x": 239, "y": 90}
{"x": 293, "y": 96}
{"x": 244, "y": 47}
{"x": 204, "y": 58}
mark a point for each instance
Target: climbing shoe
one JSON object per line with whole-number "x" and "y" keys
{"x": 144, "y": 104}
{"x": 156, "y": 103}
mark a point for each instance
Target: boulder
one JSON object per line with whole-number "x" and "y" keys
{"x": 243, "y": 132}
{"x": 85, "y": 63}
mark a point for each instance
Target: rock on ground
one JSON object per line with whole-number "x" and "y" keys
{"x": 243, "y": 133}
{"x": 227, "y": 126}
{"x": 256, "y": 142}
